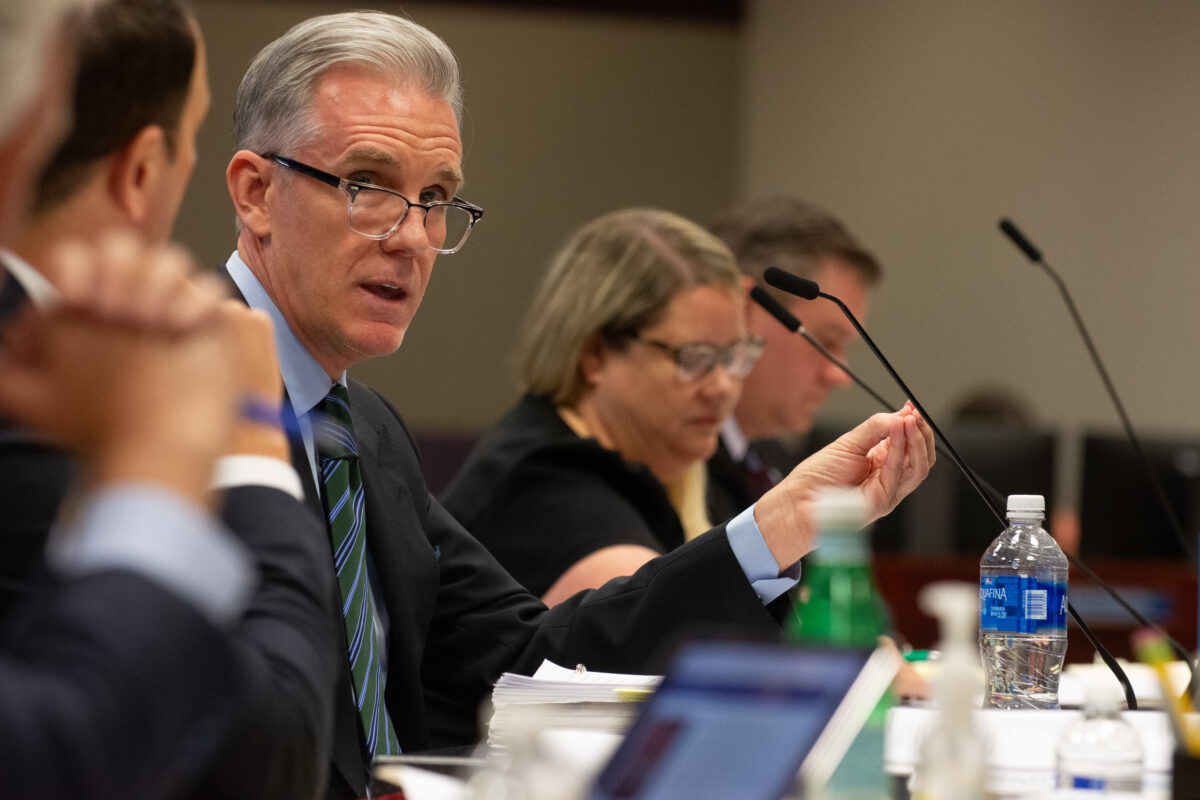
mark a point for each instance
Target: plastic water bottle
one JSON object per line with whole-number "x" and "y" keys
{"x": 1023, "y": 610}
{"x": 1101, "y": 751}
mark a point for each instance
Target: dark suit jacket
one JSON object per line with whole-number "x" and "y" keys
{"x": 111, "y": 687}
{"x": 33, "y": 483}
{"x": 280, "y": 740}
{"x": 457, "y": 620}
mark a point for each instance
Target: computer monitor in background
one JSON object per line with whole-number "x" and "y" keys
{"x": 1120, "y": 513}
{"x": 945, "y": 515}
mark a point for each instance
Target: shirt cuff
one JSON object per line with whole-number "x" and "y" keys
{"x": 752, "y": 553}
{"x": 251, "y": 470}
{"x": 160, "y": 536}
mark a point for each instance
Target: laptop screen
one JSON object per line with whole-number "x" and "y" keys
{"x": 730, "y": 720}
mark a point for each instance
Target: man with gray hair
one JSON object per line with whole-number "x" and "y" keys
{"x": 792, "y": 380}
{"x": 345, "y": 182}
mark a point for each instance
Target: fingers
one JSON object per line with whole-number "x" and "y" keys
{"x": 122, "y": 281}
{"x": 915, "y": 442}
{"x": 928, "y": 442}
{"x": 899, "y": 461}
{"x": 892, "y": 475}
{"x": 198, "y": 298}
{"x": 877, "y": 428}
{"x": 867, "y": 434}
{"x": 252, "y": 344}
{"x": 921, "y": 449}
{"x": 252, "y": 339}
{"x": 922, "y": 445}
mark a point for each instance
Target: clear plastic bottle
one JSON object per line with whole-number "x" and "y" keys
{"x": 1101, "y": 751}
{"x": 1023, "y": 610}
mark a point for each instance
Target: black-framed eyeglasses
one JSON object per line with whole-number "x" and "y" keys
{"x": 376, "y": 212}
{"x": 694, "y": 360}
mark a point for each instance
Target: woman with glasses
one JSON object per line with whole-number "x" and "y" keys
{"x": 631, "y": 358}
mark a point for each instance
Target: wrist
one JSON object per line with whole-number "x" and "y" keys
{"x": 182, "y": 470}
{"x": 785, "y": 520}
{"x": 259, "y": 430}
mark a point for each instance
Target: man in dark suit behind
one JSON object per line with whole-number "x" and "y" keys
{"x": 140, "y": 96}
{"x": 345, "y": 179}
{"x": 792, "y": 380}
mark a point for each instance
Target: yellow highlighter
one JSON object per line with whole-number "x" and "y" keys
{"x": 1151, "y": 648}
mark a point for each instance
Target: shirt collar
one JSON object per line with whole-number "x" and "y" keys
{"x": 305, "y": 380}
{"x": 41, "y": 293}
{"x": 735, "y": 440}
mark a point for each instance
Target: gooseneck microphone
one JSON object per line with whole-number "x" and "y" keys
{"x": 809, "y": 290}
{"x": 1034, "y": 255}
{"x": 1010, "y": 230}
{"x": 789, "y": 321}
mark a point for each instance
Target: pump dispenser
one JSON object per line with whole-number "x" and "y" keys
{"x": 952, "y": 761}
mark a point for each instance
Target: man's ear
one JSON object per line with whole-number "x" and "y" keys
{"x": 248, "y": 177}
{"x": 136, "y": 172}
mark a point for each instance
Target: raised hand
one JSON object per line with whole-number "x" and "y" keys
{"x": 885, "y": 457}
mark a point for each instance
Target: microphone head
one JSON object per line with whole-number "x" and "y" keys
{"x": 1017, "y": 238}
{"x": 773, "y": 307}
{"x": 792, "y": 284}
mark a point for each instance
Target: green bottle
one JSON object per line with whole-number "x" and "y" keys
{"x": 836, "y": 601}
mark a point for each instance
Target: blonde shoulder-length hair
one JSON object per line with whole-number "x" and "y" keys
{"x": 614, "y": 277}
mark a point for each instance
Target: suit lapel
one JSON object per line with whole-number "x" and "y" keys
{"x": 348, "y": 758}
{"x": 381, "y": 485}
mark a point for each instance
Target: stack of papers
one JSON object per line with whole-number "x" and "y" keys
{"x": 557, "y": 697}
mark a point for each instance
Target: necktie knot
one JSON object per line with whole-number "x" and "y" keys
{"x": 333, "y": 429}
{"x": 757, "y": 474}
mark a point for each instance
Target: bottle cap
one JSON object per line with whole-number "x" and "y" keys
{"x": 1026, "y": 506}
{"x": 840, "y": 508}
{"x": 1102, "y": 692}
